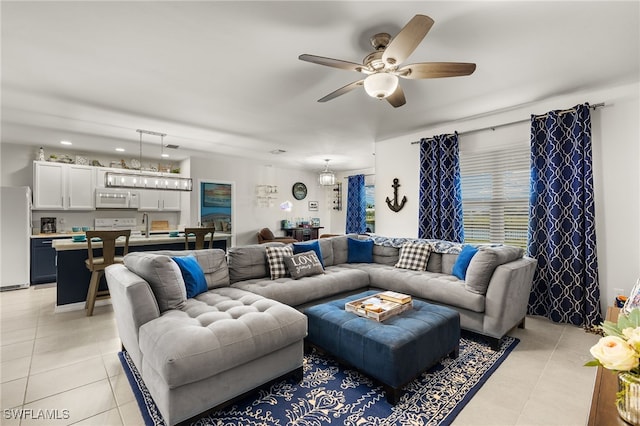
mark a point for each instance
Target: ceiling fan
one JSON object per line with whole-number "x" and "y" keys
{"x": 383, "y": 66}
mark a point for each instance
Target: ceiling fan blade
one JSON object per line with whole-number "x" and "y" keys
{"x": 407, "y": 40}
{"x": 341, "y": 91}
{"x": 335, "y": 63}
{"x": 436, "y": 70}
{"x": 397, "y": 98}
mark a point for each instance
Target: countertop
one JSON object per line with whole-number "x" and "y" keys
{"x": 69, "y": 244}
{"x": 57, "y": 235}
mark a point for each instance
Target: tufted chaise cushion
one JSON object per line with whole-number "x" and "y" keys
{"x": 216, "y": 331}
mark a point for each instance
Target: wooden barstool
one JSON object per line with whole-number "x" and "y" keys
{"x": 200, "y": 234}
{"x": 97, "y": 265}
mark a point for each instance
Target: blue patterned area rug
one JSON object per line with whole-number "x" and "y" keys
{"x": 333, "y": 394}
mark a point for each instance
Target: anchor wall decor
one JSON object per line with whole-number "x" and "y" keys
{"x": 394, "y": 205}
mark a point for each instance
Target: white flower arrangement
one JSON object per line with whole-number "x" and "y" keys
{"x": 619, "y": 349}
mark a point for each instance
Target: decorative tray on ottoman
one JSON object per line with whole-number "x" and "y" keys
{"x": 380, "y": 306}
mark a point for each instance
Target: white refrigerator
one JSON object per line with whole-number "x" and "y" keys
{"x": 15, "y": 236}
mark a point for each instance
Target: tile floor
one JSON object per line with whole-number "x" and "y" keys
{"x": 67, "y": 361}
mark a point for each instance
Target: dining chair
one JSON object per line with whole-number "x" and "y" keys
{"x": 97, "y": 265}
{"x": 200, "y": 234}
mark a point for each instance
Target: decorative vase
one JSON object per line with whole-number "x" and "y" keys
{"x": 41, "y": 154}
{"x": 628, "y": 397}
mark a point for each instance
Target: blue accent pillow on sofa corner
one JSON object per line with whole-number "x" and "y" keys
{"x": 306, "y": 246}
{"x": 192, "y": 274}
{"x": 463, "y": 261}
{"x": 359, "y": 251}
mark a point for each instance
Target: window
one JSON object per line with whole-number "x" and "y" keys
{"x": 370, "y": 217}
{"x": 495, "y": 196}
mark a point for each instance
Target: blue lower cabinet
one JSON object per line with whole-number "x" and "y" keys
{"x": 43, "y": 261}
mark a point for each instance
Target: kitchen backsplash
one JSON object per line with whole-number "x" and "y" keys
{"x": 65, "y": 220}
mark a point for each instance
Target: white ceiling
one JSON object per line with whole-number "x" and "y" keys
{"x": 224, "y": 77}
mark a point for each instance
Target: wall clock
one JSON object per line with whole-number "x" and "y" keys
{"x": 299, "y": 190}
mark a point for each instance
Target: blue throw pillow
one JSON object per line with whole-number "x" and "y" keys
{"x": 192, "y": 274}
{"x": 306, "y": 246}
{"x": 359, "y": 251}
{"x": 462, "y": 263}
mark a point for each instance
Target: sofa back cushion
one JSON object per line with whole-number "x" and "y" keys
{"x": 385, "y": 255}
{"x": 435, "y": 262}
{"x": 162, "y": 274}
{"x": 249, "y": 261}
{"x": 448, "y": 260}
{"x": 340, "y": 249}
{"x": 326, "y": 247}
{"x": 485, "y": 261}
{"x": 212, "y": 261}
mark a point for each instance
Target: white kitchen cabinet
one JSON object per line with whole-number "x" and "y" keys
{"x": 80, "y": 188}
{"x": 59, "y": 186}
{"x": 48, "y": 186}
{"x": 156, "y": 200}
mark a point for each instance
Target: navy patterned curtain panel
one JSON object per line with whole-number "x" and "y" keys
{"x": 356, "y": 205}
{"x": 440, "y": 204}
{"x": 562, "y": 234}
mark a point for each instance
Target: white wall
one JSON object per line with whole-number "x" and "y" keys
{"x": 616, "y": 161}
{"x": 249, "y": 217}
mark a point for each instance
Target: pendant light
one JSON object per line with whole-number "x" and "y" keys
{"x": 150, "y": 180}
{"x": 326, "y": 177}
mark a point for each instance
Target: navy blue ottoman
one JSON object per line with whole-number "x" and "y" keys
{"x": 394, "y": 351}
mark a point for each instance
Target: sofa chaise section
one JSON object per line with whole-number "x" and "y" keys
{"x": 199, "y": 353}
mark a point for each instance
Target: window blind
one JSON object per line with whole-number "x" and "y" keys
{"x": 495, "y": 195}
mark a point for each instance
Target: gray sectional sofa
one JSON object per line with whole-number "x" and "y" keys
{"x": 491, "y": 307}
{"x": 248, "y": 329}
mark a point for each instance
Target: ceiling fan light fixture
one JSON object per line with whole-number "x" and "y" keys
{"x": 326, "y": 177}
{"x": 380, "y": 85}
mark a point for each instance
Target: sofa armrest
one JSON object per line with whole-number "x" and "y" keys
{"x": 133, "y": 304}
{"x": 507, "y": 296}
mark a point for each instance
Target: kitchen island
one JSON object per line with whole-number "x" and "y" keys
{"x": 72, "y": 276}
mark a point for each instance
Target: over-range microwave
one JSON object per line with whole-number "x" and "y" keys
{"x": 112, "y": 198}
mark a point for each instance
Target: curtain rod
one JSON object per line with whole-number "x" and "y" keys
{"x": 347, "y": 177}
{"x": 565, "y": 111}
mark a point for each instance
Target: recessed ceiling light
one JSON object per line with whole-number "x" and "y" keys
{"x": 120, "y": 149}
{"x": 165, "y": 155}
{"x": 65, "y": 142}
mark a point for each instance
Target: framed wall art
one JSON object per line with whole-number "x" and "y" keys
{"x": 216, "y": 205}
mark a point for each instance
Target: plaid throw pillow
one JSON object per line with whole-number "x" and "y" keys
{"x": 414, "y": 256}
{"x": 275, "y": 260}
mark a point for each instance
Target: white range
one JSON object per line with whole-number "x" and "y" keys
{"x": 115, "y": 224}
